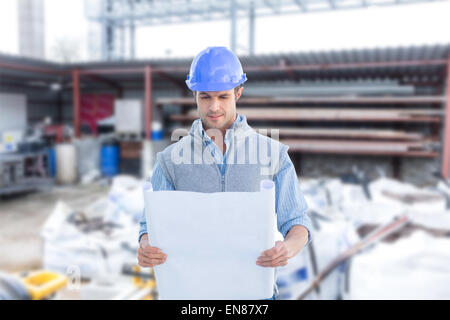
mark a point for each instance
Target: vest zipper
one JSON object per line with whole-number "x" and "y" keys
{"x": 223, "y": 183}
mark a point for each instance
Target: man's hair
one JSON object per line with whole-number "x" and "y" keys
{"x": 236, "y": 89}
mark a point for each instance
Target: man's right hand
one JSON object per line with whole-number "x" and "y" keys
{"x": 149, "y": 256}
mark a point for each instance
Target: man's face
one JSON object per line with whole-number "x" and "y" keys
{"x": 217, "y": 109}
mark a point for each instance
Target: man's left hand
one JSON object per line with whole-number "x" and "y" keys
{"x": 275, "y": 257}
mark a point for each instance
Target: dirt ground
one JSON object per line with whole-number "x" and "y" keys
{"x": 23, "y": 215}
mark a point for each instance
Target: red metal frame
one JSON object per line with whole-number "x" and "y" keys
{"x": 147, "y": 70}
{"x": 446, "y": 139}
{"x": 76, "y": 101}
{"x": 148, "y": 102}
{"x": 21, "y": 67}
{"x": 112, "y": 70}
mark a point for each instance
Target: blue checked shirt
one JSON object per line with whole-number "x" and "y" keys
{"x": 290, "y": 204}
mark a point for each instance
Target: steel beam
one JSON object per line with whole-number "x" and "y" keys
{"x": 233, "y": 22}
{"x": 132, "y": 41}
{"x": 251, "y": 29}
{"x": 76, "y": 102}
{"x": 446, "y": 136}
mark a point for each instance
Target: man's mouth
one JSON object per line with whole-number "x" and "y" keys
{"x": 215, "y": 116}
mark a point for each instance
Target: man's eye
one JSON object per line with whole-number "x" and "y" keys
{"x": 204, "y": 98}
{"x": 224, "y": 97}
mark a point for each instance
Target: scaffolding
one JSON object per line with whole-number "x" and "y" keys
{"x": 118, "y": 19}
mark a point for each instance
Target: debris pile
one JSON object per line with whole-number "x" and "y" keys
{"x": 346, "y": 210}
{"x": 98, "y": 239}
{"x": 355, "y": 252}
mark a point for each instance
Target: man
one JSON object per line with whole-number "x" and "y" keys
{"x": 216, "y": 79}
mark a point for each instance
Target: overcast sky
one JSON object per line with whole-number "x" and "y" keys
{"x": 425, "y": 23}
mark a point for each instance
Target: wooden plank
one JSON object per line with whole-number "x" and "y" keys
{"x": 336, "y": 112}
{"x": 360, "y": 147}
{"x": 186, "y": 118}
{"x": 350, "y": 147}
{"x": 328, "y": 114}
{"x": 296, "y": 100}
{"x": 379, "y": 134}
{"x": 354, "y": 145}
{"x": 344, "y": 133}
{"x": 415, "y": 154}
{"x": 372, "y": 134}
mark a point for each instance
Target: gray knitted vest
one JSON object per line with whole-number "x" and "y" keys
{"x": 250, "y": 158}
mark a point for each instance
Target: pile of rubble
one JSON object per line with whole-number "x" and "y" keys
{"x": 408, "y": 263}
{"x": 101, "y": 238}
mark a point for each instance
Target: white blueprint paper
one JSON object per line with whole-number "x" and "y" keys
{"x": 212, "y": 241}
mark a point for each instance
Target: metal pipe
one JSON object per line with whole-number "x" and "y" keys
{"x": 233, "y": 25}
{"x": 76, "y": 101}
{"x": 377, "y": 235}
{"x": 132, "y": 40}
{"x": 148, "y": 102}
{"x": 122, "y": 42}
{"x": 251, "y": 31}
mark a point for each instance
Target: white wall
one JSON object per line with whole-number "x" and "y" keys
{"x": 13, "y": 112}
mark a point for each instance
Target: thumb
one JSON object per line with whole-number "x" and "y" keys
{"x": 144, "y": 241}
{"x": 278, "y": 245}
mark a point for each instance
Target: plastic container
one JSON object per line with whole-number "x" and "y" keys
{"x": 109, "y": 158}
{"x": 157, "y": 131}
{"x": 66, "y": 163}
{"x": 51, "y": 156}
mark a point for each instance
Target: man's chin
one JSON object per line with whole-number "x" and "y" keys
{"x": 214, "y": 125}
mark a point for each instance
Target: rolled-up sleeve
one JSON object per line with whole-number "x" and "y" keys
{"x": 159, "y": 183}
{"x": 290, "y": 204}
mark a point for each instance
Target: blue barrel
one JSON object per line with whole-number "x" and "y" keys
{"x": 109, "y": 159}
{"x": 157, "y": 131}
{"x": 157, "y": 135}
{"x": 51, "y": 156}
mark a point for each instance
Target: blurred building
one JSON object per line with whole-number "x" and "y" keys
{"x": 31, "y": 28}
{"x": 385, "y": 110}
{"x": 353, "y": 119}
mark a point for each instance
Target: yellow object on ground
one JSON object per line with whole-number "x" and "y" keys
{"x": 41, "y": 284}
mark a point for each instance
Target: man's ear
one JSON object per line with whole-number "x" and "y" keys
{"x": 239, "y": 93}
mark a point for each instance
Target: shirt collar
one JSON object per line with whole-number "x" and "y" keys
{"x": 197, "y": 130}
{"x": 236, "y": 122}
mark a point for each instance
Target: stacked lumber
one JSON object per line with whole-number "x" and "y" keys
{"x": 291, "y": 112}
{"x": 330, "y": 114}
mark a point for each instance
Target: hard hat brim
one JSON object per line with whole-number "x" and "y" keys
{"x": 220, "y": 86}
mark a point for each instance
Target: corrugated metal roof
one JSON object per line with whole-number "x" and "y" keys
{"x": 311, "y": 64}
{"x": 383, "y": 54}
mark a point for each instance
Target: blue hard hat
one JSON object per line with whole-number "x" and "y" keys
{"x": 215, "y": 69}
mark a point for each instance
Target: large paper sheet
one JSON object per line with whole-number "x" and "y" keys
{"x": 212, "y": 241}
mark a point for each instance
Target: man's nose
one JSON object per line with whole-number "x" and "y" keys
{"x": 214, "y": 106}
